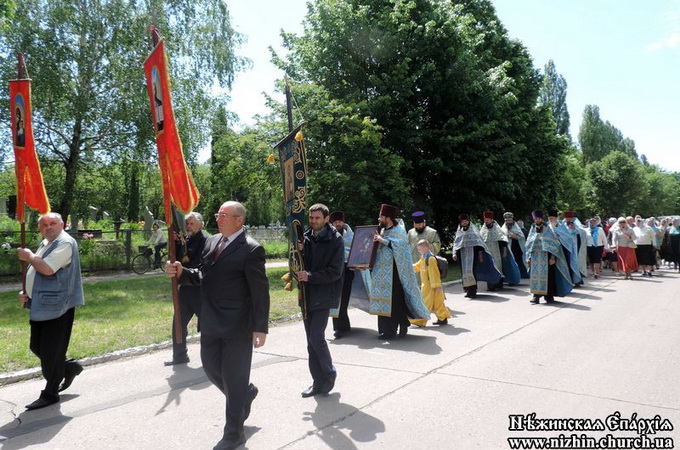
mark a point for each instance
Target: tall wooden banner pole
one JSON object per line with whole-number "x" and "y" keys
{"x": 177, "y": 319}
{"x": 22, "y": 74}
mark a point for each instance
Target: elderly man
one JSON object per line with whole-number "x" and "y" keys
{"x": 420, "y": 231}
{"x": 234, "y": 313}
{"x": 53, "y": 289}
{"x": 191, "y": 248}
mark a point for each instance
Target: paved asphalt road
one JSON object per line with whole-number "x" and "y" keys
{"x": 611, "y": 347}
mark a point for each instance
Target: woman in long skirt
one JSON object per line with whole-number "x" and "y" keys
{"x": 623, "y": 238}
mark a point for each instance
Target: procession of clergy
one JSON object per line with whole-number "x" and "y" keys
{"x": 404, "y": 287}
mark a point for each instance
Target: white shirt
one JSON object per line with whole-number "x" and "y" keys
{"x": 644, "y": 235}
{"x": 58, "y": 258}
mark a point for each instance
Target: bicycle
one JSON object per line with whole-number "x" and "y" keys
{"x": 145, "y": 260}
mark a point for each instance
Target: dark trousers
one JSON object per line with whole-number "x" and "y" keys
{"x": 157, "y": 255}
{"x": 320, "y": 361}
{"x": 49, "y": 342}
{"x": 227, "y": 363}
{"x": 189, "y": 305}
{"x": 399, "y": 318}
{"x": 342, "y": 321}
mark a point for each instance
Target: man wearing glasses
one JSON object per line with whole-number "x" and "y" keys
{"x": 234, "y": 313}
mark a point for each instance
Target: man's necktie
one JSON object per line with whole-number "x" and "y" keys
{"x": 220, "y": 246}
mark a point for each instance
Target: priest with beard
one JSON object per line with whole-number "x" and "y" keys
{"x": 475, "y": 261}
{"x": 497, "y": 243}
{"x": 568, "y": 242}
{"x": 547, "y": 264}
{"x": 420, "y": 231}
{"x": 392, "y": 287}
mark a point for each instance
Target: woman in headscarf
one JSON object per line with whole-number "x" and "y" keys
{"x": 623, "y": 239}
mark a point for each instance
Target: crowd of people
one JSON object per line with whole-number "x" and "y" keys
{"x": 223, "y": 282}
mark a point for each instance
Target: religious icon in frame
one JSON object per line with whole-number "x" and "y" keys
{"x": 363, "y": 249}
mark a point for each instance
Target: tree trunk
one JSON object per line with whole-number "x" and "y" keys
{"x": 71, "y": 166}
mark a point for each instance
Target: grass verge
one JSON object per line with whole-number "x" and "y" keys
{"x": 118, "y": 314}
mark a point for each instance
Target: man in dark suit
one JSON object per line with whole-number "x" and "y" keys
{"x": 234, "y": 314}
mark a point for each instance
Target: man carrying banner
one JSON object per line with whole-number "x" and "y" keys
{"x": 234, "y": 313}
{"x": 53, "y": 289}
{"x": 324, "y": 255}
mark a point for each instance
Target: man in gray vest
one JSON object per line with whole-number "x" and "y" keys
{"x": 53, "y": 289}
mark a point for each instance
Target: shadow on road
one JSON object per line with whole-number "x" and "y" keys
{"x": 490, "y": 298}
{"x": 360, "y": 426}
{"x": 559, "y": 304}
{"x": 183, "y": 377}
{"x": 42, "y": 425}
{"x": 367, "y": 339}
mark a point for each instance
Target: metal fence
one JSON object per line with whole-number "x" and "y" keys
{"x": 102, "y": 251}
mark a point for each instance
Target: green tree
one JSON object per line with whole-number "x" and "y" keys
{"x": 554, "y": 93}
{"x": 450, "y": 92}
{"x": 346, "y": 158}
{"x": 133, "y": 211}
{"x": 572, "y": 184}
{"x": 7, "y": 8}
{"x": 598, "y": 138}
{"x": 662, "y": 193}
{"x": 239, "y": 171}
{"x": 618, "y": 184}
{"x": 85, "y": 59}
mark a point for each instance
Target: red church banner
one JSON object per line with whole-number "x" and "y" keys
{"x": 178, "y": 183}
{"x": 30, "y": 187}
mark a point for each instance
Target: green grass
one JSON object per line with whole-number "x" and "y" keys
{"x": 453, "y": 273}
{"x": 122, "y": 314}
{"x": 117, "y": 315}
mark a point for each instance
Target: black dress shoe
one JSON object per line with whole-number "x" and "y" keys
{"x": 176, "y": 361}
{"x": 45, "y": 399}
{"x": 441, "y": 322}
{"x": 73, "y": 369}
{"x": 311, "y": 391}
{"x": 252, "y": 393}
{"x": 231, "y": 442}
{"x": 387, "y": 336}
{"x": 550, "y": 299}
{"x": 534, "y": 300}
